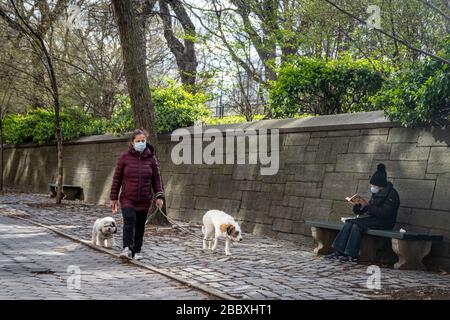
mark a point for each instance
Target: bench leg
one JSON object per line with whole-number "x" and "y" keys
{"x": 324, "y": 239}
{"x": 70, "y": 194}
{"x": 52, "y": 193}
{"x": 410, "y": 253}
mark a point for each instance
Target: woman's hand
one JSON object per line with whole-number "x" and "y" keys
{"x": 113, "y": 204}
{"x": 159, "y": 203}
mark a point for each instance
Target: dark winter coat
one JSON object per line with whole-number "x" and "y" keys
{"x": 137, "y": 177}
{"x": 381, "y": 212}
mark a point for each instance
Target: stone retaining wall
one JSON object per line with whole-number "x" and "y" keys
{"x": 322, "y": 160}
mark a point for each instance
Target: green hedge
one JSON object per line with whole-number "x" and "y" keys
{"x": 318, "y": 86}
{"x": 419, "y": 94}
{"x": 174, "y": 108}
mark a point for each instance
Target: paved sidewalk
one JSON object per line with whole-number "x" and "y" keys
{"x": 35, "y": 263}
{"x": 260, "y": 268}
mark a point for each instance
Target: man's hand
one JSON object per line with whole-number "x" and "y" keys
{"x": 363, "y": 202}
{"x": 159, "y": 203}
{"x": 113, "y": 204}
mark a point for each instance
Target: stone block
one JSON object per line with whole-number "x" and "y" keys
{"x": 341, "y": 209}
{"x": 294, "y": 154}
{"x": 316, "y": 209}
{"x": 256, "y": 201}
{"x": 284, "y": 212}
{"x": 319, "y": 134}
{"x": 245, "y": 185}
{"x": 274, "y": 190}
{"x": 434, "y": 136}
{"x": 310, "y": 157}
{"x": 415, "y": 193}
{"x": 293, "y": 201}
{"x": 430, "y": 219}
{"x": 306, "y": 172}
{"x": 282, "y": 225}
{"x": 403, "y": 169}
{"x": 439, "y": 161}
{"x": 202, "y": 177}
{"x": 441, "y": 198}
{"x": 254, "y": 216}
{"x": 314, "y": 142}
{"x": 397, "y": 135}
{"x": 344, "y": 133}
{"x": 302, "y": 189}
{"x": 221, "y": 186}
{"x": 369, "y": 144}
{"x": 353, "y": 162}
{"x": 409, "y": 152}
{"x": 337, "y": 186}
{"x": 296, "y": 139}
{"x": 329, "y": 148}
{"x": 380, "y": 156}
{"x": 377, "y": 131}
{"x": 245, "y": 171}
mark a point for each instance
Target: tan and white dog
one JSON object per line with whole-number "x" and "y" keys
{"x": 103, "y": 232}
{"x": 218, "y": 224}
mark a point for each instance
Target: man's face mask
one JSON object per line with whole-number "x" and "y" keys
{"x": 374, "y": 189}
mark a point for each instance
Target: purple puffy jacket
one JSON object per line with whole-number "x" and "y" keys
{"x": 138, "y": 177}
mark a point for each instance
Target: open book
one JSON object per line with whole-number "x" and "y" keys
{"x": 355, "y": 199}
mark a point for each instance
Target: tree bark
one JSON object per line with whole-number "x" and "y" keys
{"x": 132, "y": 38}
{"x": 131, "y": 26}
{"x": 41, "y": 49}
{"x": 184, "y": 53}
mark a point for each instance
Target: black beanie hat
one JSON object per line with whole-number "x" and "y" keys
{"x": 379, "y": 178}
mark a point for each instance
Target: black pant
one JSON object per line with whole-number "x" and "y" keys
{"x": 133, "y": 229}
{"x": 348, "y": 240}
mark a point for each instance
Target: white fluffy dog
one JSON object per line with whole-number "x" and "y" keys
{"x": 103, "y": 232}
{"x": 217, "y": 223}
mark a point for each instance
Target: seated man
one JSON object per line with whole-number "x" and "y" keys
{"x": 381, "y": 213}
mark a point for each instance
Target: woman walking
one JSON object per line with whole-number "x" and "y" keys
{"x": 137, "y": 176}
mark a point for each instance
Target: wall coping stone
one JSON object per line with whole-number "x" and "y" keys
{"x": 345, "y": 121}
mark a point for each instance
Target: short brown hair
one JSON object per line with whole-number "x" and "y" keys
{"x": 137, "y": 132}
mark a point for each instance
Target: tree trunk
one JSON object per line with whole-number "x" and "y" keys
{"x": 132, "y": 38}
{"x": 25, "y": 28}
{"x": 1, "y": 151}
{"x": 185, "y": 55}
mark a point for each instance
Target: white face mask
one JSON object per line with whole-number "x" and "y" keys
{"x": 374, "y": 189}
{"x": 139, "y": 146}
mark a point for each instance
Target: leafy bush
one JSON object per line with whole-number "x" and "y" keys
{"x": 418, "y": 95}
{"x": 230, "y": 119}
{"x": 317, "y": 86}
{"x": 37, "y": 126}
{"x": 174, "y": 108}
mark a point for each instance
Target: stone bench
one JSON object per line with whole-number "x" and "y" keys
{"x": 70, "y": 192}
{"x": 409, "y": 247}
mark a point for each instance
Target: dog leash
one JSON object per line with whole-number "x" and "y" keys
{"x": 173, "y": 222}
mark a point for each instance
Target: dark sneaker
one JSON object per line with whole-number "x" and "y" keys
{"x": 347, "y": 259}
{"x": 333, "y": 256}
{"x": 126, "y": 254}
